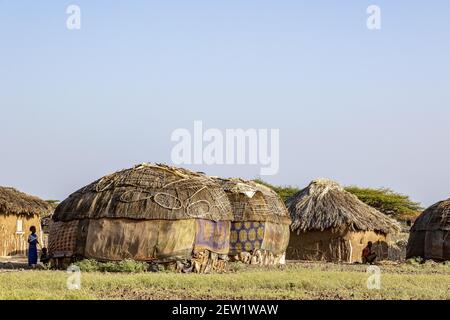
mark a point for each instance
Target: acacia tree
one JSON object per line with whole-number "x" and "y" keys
{"x": 284, "y": 192}
{"x": 385, "y": 200}
{"x": 54, "y": 204}
{"x": 398, "y": 205}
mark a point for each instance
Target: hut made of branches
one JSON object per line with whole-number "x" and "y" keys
{"x": 430, "y": 235}
{"x": 151, "y": 212}
{"x": 18, "y": 212}
{"x": 260, "y": 227}
{"x": 332, "y": 224}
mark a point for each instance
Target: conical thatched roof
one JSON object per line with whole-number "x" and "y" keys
{"x": 13, "y": 201}
{"x": 324, "y": 204}
{"x": 148, "y": 191}
{"x": 436, "y": 217}
{"x": 252, "y": 201}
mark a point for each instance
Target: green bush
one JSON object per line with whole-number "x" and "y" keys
{"x": 87, "y": 265}
{"x": 236, "y": 266}
{"x": 285, "y": 192}
{"x": 415, "y": 261}
{"x": 125, "y": 266}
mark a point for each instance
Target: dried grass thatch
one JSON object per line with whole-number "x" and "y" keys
{"x": 324, "y": 204}
{"x": 13, "y": 201}
{"x": 150, "y": 192}
{"x": 252, "y": 201}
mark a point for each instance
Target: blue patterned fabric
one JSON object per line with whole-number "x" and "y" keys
{"x": 246, "y": 236}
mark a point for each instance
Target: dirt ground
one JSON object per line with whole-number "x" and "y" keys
{"x": 13, "y": 263}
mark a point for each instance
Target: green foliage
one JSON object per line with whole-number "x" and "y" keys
{"x": 53, "y": 202}
{"x": 284, "y": 192}
{"x": 88, "y": 265}
{"x": 415, "y": 261}
{"x": 236, "y": 266}
{"x": 126, "y": 266}
{"x": 387, "y": 201}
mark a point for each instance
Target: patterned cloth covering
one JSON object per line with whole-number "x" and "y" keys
{"x": 253, "y": 236}
{"x": 213, "y": 236}
{"x": 62, "y": 239}
{"x": 246, "y": 236}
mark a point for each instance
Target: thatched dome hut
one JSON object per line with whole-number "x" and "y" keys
{"x": 430, "y": 235}
{"x": 18, "y": 212}
{"x": 152, "y": 213}
{"x": 260, "y": 227}
{"x": 331, "y": 224}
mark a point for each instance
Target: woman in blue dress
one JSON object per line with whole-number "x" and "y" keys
{"x": 32, "y": 249}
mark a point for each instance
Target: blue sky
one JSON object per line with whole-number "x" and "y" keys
{"x": 362, "y": 107}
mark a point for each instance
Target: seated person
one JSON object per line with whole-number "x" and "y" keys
{"x": 44, "y": 256}
{"x": 368, "y": 256}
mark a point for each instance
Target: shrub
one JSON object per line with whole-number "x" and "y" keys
{"x": 415, "y": 261}
{"x": 87, "y": 265}
{"x": 125, "y": 266}
{"x": 285, "y": 192}
{"x": 236, "y": 266}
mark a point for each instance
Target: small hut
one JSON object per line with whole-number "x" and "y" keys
{"x": 260, "y": 227}
{"x": 430, "y": 235}
{"x": 331, "y": 224}
{"x": 18, "y": 212}
{"x": 153, "y": 213}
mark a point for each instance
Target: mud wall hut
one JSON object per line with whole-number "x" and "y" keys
{"x": 430, "y": 235}
{"x": 331, "y": 224}
{"x": 260, "y": 226}
{"x": 18, "y": 212}
{"x": 152, "y": 213}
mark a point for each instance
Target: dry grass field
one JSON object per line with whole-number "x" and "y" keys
{"x": 296, "y": 281}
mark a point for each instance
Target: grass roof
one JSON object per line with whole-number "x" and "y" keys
{"x": 324, "y": 204}
{"x": 13, "y": 201}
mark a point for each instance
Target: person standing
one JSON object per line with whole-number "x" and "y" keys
{"x": 32, "y": 247}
